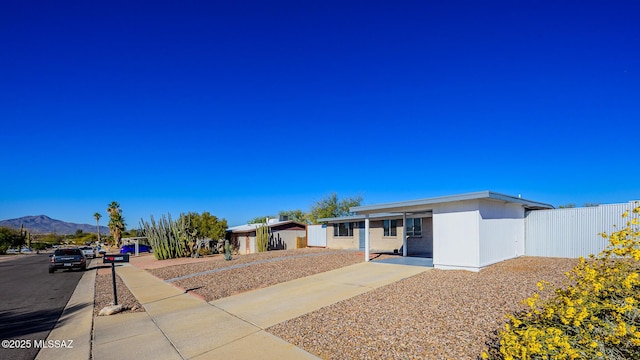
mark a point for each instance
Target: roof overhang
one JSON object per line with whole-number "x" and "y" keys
{"x": 416, "y": 206}
{"x": 377, "y": 216}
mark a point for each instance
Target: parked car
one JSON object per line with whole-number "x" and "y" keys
{"x": 131, "y": 248}
{"x": 67, "y": 259}
{"x": 24, "y": 250}
{"x": 88, "y": 252}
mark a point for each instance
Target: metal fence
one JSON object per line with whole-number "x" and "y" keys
{"x": 573, "y": 232}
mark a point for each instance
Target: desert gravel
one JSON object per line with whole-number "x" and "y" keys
{"x": 104, "y": 292}
{"x": 225, "y": 283}
{"x": 434, "y": 315}
{"x": 439, "y": 314}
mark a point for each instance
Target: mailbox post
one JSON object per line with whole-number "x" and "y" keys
{"x": 113, "y": 259}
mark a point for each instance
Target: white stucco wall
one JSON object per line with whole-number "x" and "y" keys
{"x": 456, "y": 236}
{"x": 501, "y": 235}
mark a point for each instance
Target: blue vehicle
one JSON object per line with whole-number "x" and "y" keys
{"x": 131, "y": 248}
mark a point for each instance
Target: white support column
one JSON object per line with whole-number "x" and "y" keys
{"x": 366, "y": 237}
{"x": 404, "y": 234}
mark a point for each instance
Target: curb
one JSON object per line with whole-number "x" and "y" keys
{"x": 71, "y": 336}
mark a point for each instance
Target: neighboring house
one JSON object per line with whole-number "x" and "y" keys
{"x": 282, "y": 235}
{"x": 465, "y": 231}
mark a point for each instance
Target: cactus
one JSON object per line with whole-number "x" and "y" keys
{"x": 170, "y": 239}
{"x": 262, "y": 238}
{"x": 227, "y": 250}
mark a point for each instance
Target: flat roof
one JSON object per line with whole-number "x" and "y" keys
{"x": 423, "y": 204}
{"x": 253, "y": 227}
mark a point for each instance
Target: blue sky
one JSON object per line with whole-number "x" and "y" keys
{"x": 245, "y": 108}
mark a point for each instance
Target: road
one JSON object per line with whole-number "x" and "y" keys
{"x": 31, "y": 301}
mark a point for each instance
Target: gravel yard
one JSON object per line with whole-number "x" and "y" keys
{"x": 104, "y": 292}
{"x": 254, "y": 271}
{"x": 435, "y": 315}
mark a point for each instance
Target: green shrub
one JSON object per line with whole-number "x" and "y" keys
{"x": 595, "y": 317}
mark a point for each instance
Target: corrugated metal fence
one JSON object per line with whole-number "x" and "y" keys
{"x": 317, "y": 235}
{"x": 574, "y": 232}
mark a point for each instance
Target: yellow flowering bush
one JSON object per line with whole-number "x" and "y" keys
{"x": 596, "y": 316}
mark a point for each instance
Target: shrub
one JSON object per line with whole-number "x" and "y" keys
{"x": 203, "y": 251}
{"x": 595, "y": 317}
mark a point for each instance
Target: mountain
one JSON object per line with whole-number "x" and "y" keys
{"x": 43, "y": 224}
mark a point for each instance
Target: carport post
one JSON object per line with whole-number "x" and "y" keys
{"x": 366, "y": 237}
{"x": 404, "y": 234}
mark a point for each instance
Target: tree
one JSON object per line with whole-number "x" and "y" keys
{"x": 97, "y": 216}
{"x": 10, "y": 238}
{"x": 590, "y": 204}
{"x": 567, "y": 206}
{"x": 295, "y": 215}
{"x": 332, "y": 207}
{"x": 207, "y": 226}
{"x": 258, "y": 220}
{"x": 116, "y": 222}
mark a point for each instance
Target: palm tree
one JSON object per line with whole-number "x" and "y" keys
{"x": 97, "y": 216}
{"x": 116, "y": 222}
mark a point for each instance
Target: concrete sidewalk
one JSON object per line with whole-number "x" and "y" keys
{"x": 177, "y": 325}
{"x": 180, "y": 326}
{"x": 75, "y": 323}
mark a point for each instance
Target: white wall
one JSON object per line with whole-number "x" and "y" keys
{"x": 501, "y": 232}
{"x": 317, "y": 235}
{"x": 456, "y": 235}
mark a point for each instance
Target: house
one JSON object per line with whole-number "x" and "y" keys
{"x": 465, "y": 231}
{"x": 282, "y": 235}
{"x": 385, "y": 231}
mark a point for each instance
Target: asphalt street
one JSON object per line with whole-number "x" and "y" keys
{"x": 31, "y": 301}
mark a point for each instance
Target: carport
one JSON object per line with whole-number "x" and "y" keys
{"x": 470, "y": 231}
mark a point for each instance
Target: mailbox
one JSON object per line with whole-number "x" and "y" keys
{"x": 115, "y": 258}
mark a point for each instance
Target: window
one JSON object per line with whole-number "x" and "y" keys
{"x": 343, "y": 229}
{"x": 414, "y": 227}
{"x": 390, "y": 227}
